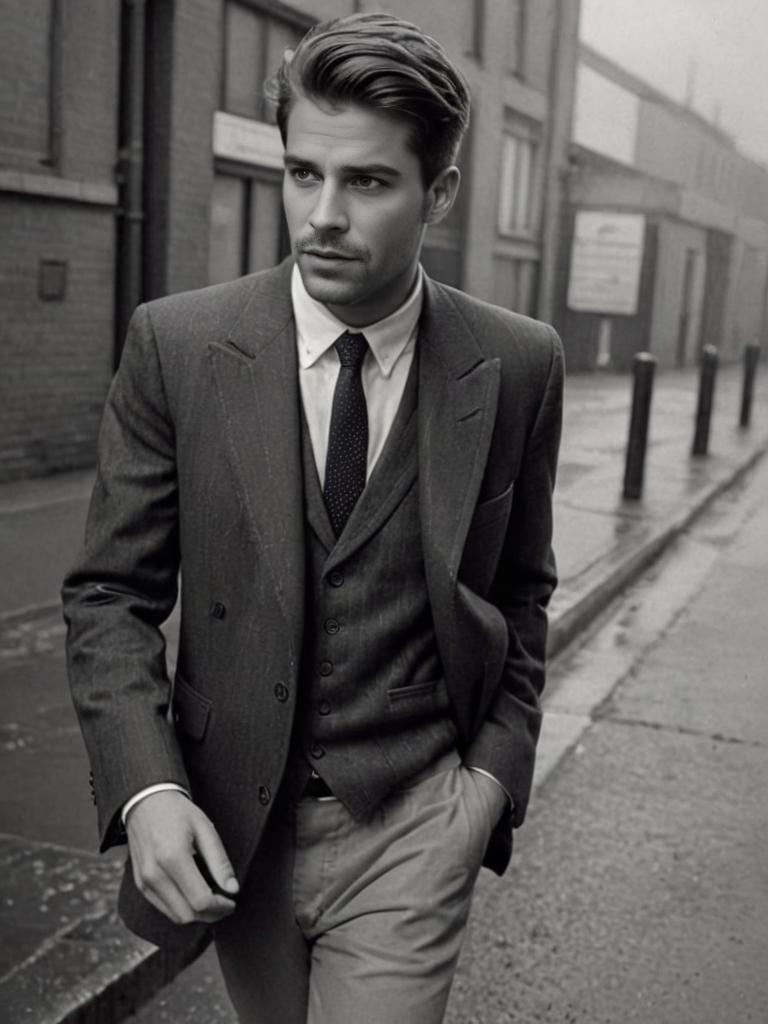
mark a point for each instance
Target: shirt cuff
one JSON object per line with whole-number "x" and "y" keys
{"x": 160, "y": 787}
{"x": 502, "y": 787}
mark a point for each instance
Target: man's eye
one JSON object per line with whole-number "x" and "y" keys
{"x": 366, "y": 182}
{"x": 303, "y": 175}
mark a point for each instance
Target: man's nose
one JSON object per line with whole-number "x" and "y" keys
{"x": 329, "y": 213}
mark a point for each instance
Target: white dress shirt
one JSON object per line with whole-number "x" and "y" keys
{"x": 391, "y": 347}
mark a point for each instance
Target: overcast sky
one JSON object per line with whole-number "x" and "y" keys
{"x": 723, "y": 44}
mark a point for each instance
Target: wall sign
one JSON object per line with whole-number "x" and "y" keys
{"x": 606, "y": 261}
{"x": 247, "y": 141}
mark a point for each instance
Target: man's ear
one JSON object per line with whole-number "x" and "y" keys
{"x": 441, "y": 195}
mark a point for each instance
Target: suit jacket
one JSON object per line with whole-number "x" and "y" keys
{"x": 200, "y": 475}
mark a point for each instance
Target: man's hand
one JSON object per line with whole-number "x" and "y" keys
{"x": 491, "y": 795}
{"x": 165, "y": 833}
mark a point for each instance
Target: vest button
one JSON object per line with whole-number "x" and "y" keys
{"x": 317, "y": 750}
{"x": 335, "y": 578}
{"x": 326, "y": 668}
{"x": 218, "y": 610}
{"x": 281, "y": 692}
{"x": 324, "y": 708}
{"x": 264, "y": 795}
{"x": 332, "y": 626}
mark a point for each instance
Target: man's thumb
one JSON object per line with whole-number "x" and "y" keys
{"x": 212, "y": 860}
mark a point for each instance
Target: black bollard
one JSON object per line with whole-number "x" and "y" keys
{"x": 751, "y": 356}
{"x": 643, "y": 369}
{"x": 706, "y": 400}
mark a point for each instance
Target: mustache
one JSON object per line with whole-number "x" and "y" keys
{"x": 321, "y": 242}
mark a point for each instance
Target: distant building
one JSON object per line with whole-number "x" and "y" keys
{"x": 138, "y": 159}
{"x": 665, "y": 241}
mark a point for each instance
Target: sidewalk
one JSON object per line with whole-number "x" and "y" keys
{"x": 63, "y": 956}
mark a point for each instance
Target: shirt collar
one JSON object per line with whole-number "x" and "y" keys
{"x": 317, "y": 328}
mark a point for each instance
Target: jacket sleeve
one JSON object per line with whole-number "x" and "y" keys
{"x": 522, "y": 586}
{"x": 124, "y": 586}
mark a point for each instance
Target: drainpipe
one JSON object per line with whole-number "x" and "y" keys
{"x": 130, "y": 169}
{"x": 560, "y": 111}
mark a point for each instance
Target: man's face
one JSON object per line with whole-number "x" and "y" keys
{"x": 357, "y": 207}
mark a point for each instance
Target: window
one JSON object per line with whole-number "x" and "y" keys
{"x": 254, "y": 43}
{"x": 247, "y": 231}
{"x": 518, "y": 186}
{"x": 29, "y": 54}
{"x": 515, "y": 284}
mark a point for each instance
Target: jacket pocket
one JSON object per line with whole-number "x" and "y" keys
{"x": 415, "y": 690}
{"x": 191, "y": 709}
{"x": 490, "y": 511}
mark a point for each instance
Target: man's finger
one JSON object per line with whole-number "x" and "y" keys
{"x": 204, "y": 904}
{"x": 161, "y": 891}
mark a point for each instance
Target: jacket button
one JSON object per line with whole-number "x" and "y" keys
{"x": 281, "y": 692}
{"x": 317, "y": 750}
{"x": 264, "y": 795}
{"x": 335, "y": 577}
{"x": 218, "y": 610}
{"x": 326, "y": 668}
{"x": 324, "y": 708}
{"x": 332, "y": 626}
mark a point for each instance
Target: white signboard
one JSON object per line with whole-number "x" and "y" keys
{"x": 249, "y": 142}
{"x": 606, "y": 260}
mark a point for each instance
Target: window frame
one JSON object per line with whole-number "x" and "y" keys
{"x": 248, "y": 174}
{"x": 272, "y": 11}
{"x": 48, "y": 153}
{"x": 521, "y": 133}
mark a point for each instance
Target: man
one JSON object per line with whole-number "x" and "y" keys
{"x": 353, "y": 467}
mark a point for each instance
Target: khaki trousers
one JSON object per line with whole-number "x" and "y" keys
{"x": 342, "y": 922}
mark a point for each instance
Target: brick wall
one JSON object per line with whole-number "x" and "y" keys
{"x": 193, "y": 100}
{"x": 56, "y": 356}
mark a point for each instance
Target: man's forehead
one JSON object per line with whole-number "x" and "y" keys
{"x": 353, "y": 127}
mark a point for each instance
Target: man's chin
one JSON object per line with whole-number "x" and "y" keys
{"x": 326, "y": 287}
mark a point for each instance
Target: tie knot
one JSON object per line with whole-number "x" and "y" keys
{"x": 352, "y": 349}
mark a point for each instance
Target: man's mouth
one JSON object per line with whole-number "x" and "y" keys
{"x": 327, "y": 254}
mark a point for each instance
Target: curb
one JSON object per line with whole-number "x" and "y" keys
{"x": 96, "y": 972}
{"x": 566, "y": 625}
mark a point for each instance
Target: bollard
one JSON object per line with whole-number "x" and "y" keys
{"x": 751, "y": 356}
{"x": 643, "y": 368}
{"x": 706, "y": 400}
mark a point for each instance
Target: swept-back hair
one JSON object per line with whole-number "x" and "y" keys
{"x": 388, "y": 65}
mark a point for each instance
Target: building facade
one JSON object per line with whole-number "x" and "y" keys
{"x": 139, "y": 158}
{"x": 665, "y": 234}
{"x": 58, "y": 205}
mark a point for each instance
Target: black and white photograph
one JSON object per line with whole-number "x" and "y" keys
{"x": 383, "y": 512}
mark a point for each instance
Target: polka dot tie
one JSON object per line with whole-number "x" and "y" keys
{"x": 347, "y": 458}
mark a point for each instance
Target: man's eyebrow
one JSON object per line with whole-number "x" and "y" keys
{"x": 371, "y": 170}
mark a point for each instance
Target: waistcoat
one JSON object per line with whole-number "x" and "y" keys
{"x": 373, "y": 709}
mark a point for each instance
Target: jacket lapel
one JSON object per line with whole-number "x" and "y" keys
{"x": 458, "y": 395}
{"x": 255, "y": 374}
